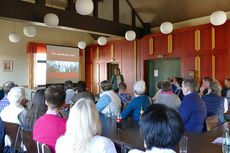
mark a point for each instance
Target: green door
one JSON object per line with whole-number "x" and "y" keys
{"x": 160, "y": 70}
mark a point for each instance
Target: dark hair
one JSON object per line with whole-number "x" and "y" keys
{"x": 179, "y": 81}
{"x": 55, "y": 96}
{"x": 7, "y": 86}
{"x": 207, "y": 79}
{"x": 159, "y": 84}
{"x": 167, "y": 86}
{"x": 191, "y": 83}
{"x": 80, "y": 95}
{"x": 80, "y": 86}
{"x": 37, "y": 109}
{"x": 106, "y": 85}
{"x": 69, "y": 84}
{"x": 161, "y": 127}
{"x": 122, "y": 86}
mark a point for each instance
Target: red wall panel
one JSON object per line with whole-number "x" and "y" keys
{"x": 206, "y": 66}
{"x": 220, "y": 64}
{"x": 206, "y": 38}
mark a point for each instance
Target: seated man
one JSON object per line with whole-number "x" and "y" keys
{"x": 161, "y": 128}
{"x": 109, "y": 102}
{"x": 137, "y": 104}
{"x": 49, "y": 127}
{"x": 80, "y": 86}
{"x": 6, "y": 89}
{"x": 125, "y": 97}
{"x": 69, "y": 91}
{"x": 17, "y": 98}
{"x": 192, "y": 109}
{"x": 205, "y": 87}
{"x": 167, "y": 97}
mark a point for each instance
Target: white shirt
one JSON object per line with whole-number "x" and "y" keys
{"x": 69, "y": 95}
{"x": 118, "y": 80}
{"x": 153, "y": 150}
{"x": 99, "y": 144}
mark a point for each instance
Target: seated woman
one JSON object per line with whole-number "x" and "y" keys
{"x": 38, "y": 108}
{"x": 159, "y": 89}
{"x": 137, "y": 104}
{"x": 83, "y": 131}
{"x": 109, "y": 102}
{"x": 161, "y": 128}
{"x": 215, "y": 104}
{"x": 17, "y": 98}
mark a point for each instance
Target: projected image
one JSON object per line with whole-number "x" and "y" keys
{"x": 62, "y": 66}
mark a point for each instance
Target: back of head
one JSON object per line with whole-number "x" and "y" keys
{"x": 167, "y": 86}
{"x": 83, "y": 123}
{"x": 7, "y": 86}
{"x": 159, "y": 84}
{"x": 161, "y": 127}
{"x": 179, "y": 81}
{"x": 80, "y": 86}
{"x": 191, "y": 83}
{"x": 122, "y": 86}
{"x": 106, "y": 85}
{"x": 16, "y": 95}
{"x": 69, "y": 84}
{"x": 139, "y": 87}
{"x": 80, "y": 95}
{"x": 55, "y": 96}
{"x": 215, "y": 87}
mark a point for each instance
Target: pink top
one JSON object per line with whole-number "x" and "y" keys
{"x": 48, "y": 128}
{"x": 166, "y": 92}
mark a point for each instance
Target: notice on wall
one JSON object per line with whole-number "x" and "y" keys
{"x": 155, "y": 73}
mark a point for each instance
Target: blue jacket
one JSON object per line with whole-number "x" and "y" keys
{"x": 2, "y": 136}
{"x": 214, "y": 105}
{"x": 193, "y": 113}
{"x": 134, "y": 107}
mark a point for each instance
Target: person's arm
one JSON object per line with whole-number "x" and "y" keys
{"x": 127, "y": 110}
{"x": 183, "y": 112}
{"x": 122, "y": 78}
{"x": 113, "y": 79}
{"x": 103, "y": 102}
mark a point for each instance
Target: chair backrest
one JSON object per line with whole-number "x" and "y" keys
{"x": 212, "y": 122}
{"x": 43, "y": 148}
{"x": 13, "y": 131}
{"x": 28, "y": 141}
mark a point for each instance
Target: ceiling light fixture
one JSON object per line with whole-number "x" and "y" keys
{"x": 130, "y": 35}
{"x": 102, "y": 41}
{"x": 166, "y": 27}
{"x": 81, "y": 44}
{"x": 84, "y": 7}
{"x": 51, "y": 19}
{"x": 13, "y": 37}
{"x": 29, "y": 31}
{"x": 218, "y": 17}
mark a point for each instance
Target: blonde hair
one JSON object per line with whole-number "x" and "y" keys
{"x": 82, "y": 125}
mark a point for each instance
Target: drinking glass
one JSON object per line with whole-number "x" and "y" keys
{"x": 183, "y": 144}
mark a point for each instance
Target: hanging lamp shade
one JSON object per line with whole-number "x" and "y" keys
{"x": 130, "y": 35}
{"x": 166, "y": 27}
{"x": 218, "y": 18}
{"x": 51, "y": 19}
{"x": 84, "y": 7}
{"x": 14, "y": 38}
{"x": 29, "y": 31}
{"x": 81, "y": 44}
{"x": 102, "y": 41}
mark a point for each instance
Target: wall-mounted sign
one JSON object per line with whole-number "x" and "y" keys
{"x": 155, "y": 73}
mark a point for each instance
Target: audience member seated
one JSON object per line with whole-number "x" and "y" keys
{"x": 171, "y": 80}
{"x": 2, "y": 135}
{"x": 37, "y": 108}
{"x": 109, "y": 102}
{"x": 191, "y": 73}
{"x": 167, "y": 97}
{"x": 215, "y": 104}
{"x": 179, "y": 92}
{"x": 80, "y": 86}
{"x": 69, "y": 92}
{"x": 161, "y": 128}
{"x": 83, "y": 131}
{"x": 205, "y": 87}
{"x": 125, "y": 97}
{"x": 6, "y": 89}
{"x": 17, "y": 98}
{"x": 159, "y": 89}
{"x": 192, "y": 109}
{"x": 137, "y": 104}
{"x": 228, "y": 97}
{"x": 1, "y": 94}
{"x": 225, "y": 88}
{"x": 80, "y": 95}
{"x": 49, "y": 127}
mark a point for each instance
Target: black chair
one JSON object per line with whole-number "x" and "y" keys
{"x": 43, "y": 148}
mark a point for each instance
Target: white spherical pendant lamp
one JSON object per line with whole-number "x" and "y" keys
{"x": 218, "y": 18}
{"x": 81, "y": 44}
{"x": 130, "y": 35}
{"x": 102, "y": 41}
{"x": 51, "y": 19}
{"x": 166, "y": 27}
{"x": 84, "y": 7}
{"x": 14, "y": 38}
{"x": 29, "y": 31}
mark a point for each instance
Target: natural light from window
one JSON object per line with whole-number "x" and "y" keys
{"x": 40, "y": 69}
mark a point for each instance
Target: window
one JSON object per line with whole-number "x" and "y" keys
{"x": 40, "y": 69}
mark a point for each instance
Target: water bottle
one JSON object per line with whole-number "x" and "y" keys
{"x": 118, "y": 121}
{"x": 141, "y": 112}
{"x": 226, "y": 142}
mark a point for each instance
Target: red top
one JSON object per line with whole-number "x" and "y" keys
{"x": 48, "y": 128}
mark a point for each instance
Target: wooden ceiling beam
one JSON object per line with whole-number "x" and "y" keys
{"x": 24, "y": 11}
{"x": 116, "y": 10}
{"x": 40, "y": 2}
{"x": 95, "y": 10}
{"x": 70, "y": 6}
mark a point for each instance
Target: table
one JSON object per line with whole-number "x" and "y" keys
{"x": 129, "y": 136}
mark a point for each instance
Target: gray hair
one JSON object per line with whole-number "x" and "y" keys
{"x": 216, "y": 87}
{"x": 7, "y": 86}
{"x": 139, "y": 87}
{"x": 16, "y": 95}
